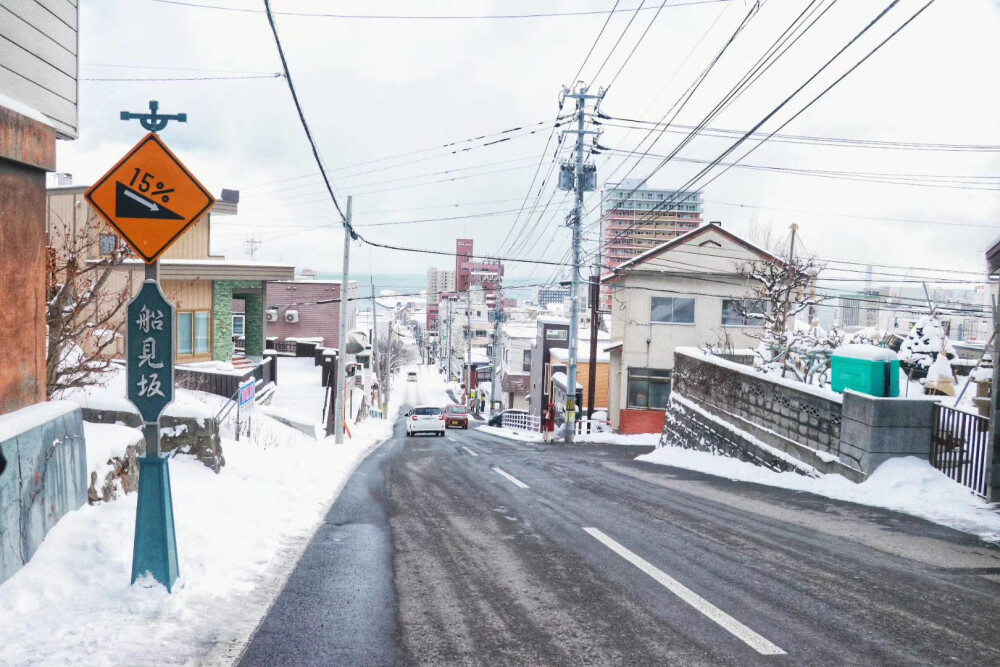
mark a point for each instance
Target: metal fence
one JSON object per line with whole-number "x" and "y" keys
{"x": 518, "y": 421}
{"x": 959, "y": 444}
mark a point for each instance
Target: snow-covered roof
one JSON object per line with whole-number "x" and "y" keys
{"x": 685, "y": 238}
{"x": 560, "y": 379}
{"x": 519, "y": 330}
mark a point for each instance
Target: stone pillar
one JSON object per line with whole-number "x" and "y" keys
{"x": 254, "y": 325}
{"x": 222, "y": 306}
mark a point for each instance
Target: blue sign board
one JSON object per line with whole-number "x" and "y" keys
{"x": 149, "y": 342}
{"x": 247, "y": 398}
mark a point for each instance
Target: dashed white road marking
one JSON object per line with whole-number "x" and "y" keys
{"x": 729, "y": 623}
{"x": 470, "y": 451}
{"x": 511, "y": 478}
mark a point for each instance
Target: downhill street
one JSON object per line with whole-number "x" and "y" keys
{"x": 472, "y": 549}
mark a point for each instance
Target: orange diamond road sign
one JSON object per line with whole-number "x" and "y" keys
{"x": 150, "y": 198}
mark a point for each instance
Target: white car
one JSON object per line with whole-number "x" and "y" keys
{"x": 425, "y": 419}
{"x": 411, "y": 376}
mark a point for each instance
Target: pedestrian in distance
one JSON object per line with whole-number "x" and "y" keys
{"x": 548, "y": 422}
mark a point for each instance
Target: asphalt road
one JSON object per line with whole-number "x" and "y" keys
{"x": 476, "y": 550}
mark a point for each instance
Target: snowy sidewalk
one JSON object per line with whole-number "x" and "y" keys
{"x": 238, "y": 533}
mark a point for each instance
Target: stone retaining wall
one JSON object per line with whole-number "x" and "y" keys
{"x": 849, "y": 434}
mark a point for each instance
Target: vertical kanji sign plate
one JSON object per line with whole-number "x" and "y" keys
{"x": 149, "y": 344}
{"x": 150, "y": 198}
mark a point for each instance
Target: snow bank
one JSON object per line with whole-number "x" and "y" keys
{"x": 865, "y": 352}
{"x": 239, "y": 533}
{"x": 908, "y": 484}
{"x": 638, "y": 440}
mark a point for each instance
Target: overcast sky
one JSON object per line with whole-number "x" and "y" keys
{"x": 373, "y": 89}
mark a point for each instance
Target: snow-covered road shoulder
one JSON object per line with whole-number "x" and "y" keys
{"x": 909, "y": 485}
{"x": 238, "y": 532}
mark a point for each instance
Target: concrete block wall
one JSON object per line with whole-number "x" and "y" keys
{"x": 801, "y": 416}
{"x": 877, "y": 429}
{"x": 45, "y": 477}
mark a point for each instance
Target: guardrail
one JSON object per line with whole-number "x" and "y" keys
{"x": 520, "y": 422}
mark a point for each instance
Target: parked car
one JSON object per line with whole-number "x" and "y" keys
{"x": 457, "y": 416}
{"x": 425, "y": 419}
{"x": 497, "y": 419}
{"x": 411, "y": 376}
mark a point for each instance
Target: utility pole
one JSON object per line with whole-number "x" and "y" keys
{"x": 338, "y": 416}
{"x": 791, "y": 272}
{"x": 378, "y": 373}
{"x": 582, "y": 180}
{"x": 450, "y": 332}
{"x": 387, "y": 371}
{"x": 495, "y": 361}
{"x": 468, "y": 339}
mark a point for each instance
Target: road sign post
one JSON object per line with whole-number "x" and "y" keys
{"x": 150, "y": 199}
{"x": 149, "y": 343}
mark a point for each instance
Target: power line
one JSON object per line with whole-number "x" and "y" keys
{"x": 276, "y": 75}
{"x": 440, "y": 17}
{"x": 720, "y": 133}
{"x": 687, "y": 189}
{"x": 302, "y": 117}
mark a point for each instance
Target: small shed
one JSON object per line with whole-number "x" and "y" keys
{"x": 865, "y": 369}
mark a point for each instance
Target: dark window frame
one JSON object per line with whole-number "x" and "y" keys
{"x": 653, "y": 385}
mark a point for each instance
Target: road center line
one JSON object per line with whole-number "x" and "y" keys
{"x": 511, "y": 478}
{"x": 739, "y": 630}
{"x": 470, "y": 451}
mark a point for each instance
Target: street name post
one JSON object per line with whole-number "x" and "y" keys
{"x": 151, "y": 199}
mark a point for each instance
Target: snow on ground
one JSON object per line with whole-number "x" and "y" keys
{"x": 637, "y": 440}
{"x": 908, "y": 484}
{"x": 239, "y": 534}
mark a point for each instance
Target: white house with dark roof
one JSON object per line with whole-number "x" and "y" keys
{"x": 684, "y": 292}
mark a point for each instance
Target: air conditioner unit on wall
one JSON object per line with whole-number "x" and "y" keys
{"x": 291, "y": 316}
{"x": 271, "y": 315}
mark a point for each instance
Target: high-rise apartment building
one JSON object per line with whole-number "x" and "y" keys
{"x": 463, "y": 254}
{"x": 438, "y": 281}
{"x": 636, "y": 219}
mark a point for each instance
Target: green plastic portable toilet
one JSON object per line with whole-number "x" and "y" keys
{"x": 865, "y": 369}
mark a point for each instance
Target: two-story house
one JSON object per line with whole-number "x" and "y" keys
{"x": 514, "y": 372}
{"x": 202, "y": 286}
{"x": 685, "y": 292}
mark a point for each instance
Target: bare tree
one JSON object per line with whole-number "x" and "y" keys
{"x": 85, "y": 310}
{"x": 393, "y": 354}
{"x": 778, "y": 291}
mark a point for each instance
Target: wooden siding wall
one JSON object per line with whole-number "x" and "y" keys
{"x": 38, "y": 49}
{"x": 194, "y": 242}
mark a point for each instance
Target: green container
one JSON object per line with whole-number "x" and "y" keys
{"x": 866, "y": 370}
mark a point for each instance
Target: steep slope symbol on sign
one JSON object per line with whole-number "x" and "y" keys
{"x": 131, "y": 204}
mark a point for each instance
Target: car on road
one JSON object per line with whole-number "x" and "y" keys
{"x": 411, "y": 376}
{"x": 457, "y": 416}
{"x": 425, "y": 419}
{"x": 497, "y": 419}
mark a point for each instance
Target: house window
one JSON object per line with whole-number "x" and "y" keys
{"x": 107, "y": 243}
{"x": 732, "y": 310}
{"x": 193, "y": 335}
{"x": 201, "y": 337}
{"x": 648, "y": 388}
{"x": 185, "y": 333}
{"x": 239, "y": 325}
{"x": 557, "y": 334}
{"x": 668, "y": 310}
{"x": 481, "y": 333}
{"x": 526, "y": 362}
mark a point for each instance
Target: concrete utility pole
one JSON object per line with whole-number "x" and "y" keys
{"x": 495, "y": 360}
{"x": 580, "y": 186}
{"x": 468, "y": 338}
{"x": 339, "y": 416}
{"x": 378, "y": 373}
{"x": 448, "y": 347}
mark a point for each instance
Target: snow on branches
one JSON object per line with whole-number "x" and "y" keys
{"x": 84, "y": 310}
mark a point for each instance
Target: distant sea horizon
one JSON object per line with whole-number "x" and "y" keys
{"x": 415, "y": 283}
